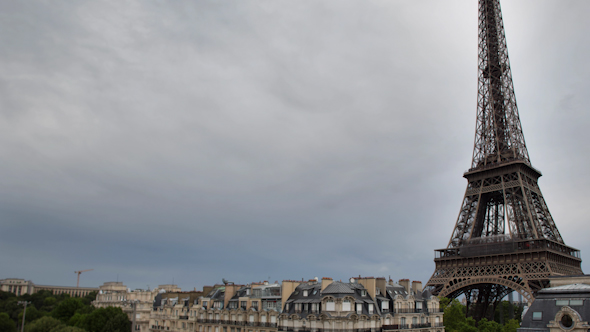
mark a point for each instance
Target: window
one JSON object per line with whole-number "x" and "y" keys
{"x": 255, "y": 305}
{"x": 251, "y": 318}
{"x": 385, "y": 306}
{"x": 363, "y": 292}
{"x": 403, "y": 321}
{"x": 370, "y": 307}
{"x": 204, "y": 304}
{"x": 566, "y": 321}
{"x": 305, "y": 292}
{"x": 418, "y": 305}
{"x": 538, "y": 315}
{"x": 346, "y": 305}
{"x": 414, "y": 320}
{"x": 263, "y": 319}
{"x": 330, "y": 305}
{"x": 569, "y": 302}
{"x": 273, "y": 319}
{"x": 359, "y": 308}
{"x": 243, "y": 304}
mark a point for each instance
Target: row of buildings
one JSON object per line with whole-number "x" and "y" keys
{"x": 19, "y": 287}
{"x": 359, "y": 305}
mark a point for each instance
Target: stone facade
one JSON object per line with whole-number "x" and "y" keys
{"x": 360, "y": 305}
{"x": 137, "y": 304}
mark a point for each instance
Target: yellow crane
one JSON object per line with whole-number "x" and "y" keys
{"x": 80, "y": 272}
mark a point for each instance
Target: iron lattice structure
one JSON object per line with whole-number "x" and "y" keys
{"x": 505, "y": 238}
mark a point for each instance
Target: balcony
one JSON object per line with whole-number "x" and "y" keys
{"x": 290, "y": 329}
{"x": 405, "y": 326}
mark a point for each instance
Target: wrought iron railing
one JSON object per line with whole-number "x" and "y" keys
{"x": 505, "y": 247}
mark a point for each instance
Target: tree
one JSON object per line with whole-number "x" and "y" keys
{"x": 67, "y": 308}
{"x": 67, "y": 329}
{"x": 31, "y": 315}
{"x": 485, "y": 325}
{"x": 110, "y": 317}
{"x": 6, "y": 295}
{"x": 87, "y": 300}
{"x": 454, "y": 315}
{"x": 118, "y": 323}
{"x": 44, "y": 324}
{"x": 49, "y": 304}
{"x": 6, "y": 324}
{"x": 511, "y": 326}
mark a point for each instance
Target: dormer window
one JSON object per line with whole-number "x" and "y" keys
{"x": 363, "y": 292}
{"x": 305, "y": 292}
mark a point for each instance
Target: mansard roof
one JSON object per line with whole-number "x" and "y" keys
{"x": 338, "y": 287}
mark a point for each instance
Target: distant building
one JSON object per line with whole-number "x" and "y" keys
{"x": 137, "y": 304}
{"x": 21, "y": 286}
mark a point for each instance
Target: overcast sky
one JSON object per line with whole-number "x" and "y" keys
{"x": 190, "y": 141}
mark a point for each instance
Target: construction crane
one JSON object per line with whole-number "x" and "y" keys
{"x": 80, "y": 272}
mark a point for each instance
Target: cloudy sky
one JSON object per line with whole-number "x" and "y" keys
{"x": 190, "y": 141}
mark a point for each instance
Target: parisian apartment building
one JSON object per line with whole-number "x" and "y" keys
{"x": 363, "y": 304}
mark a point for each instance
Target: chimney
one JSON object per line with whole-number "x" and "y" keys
{"x": 381, "y": 284}
{"x": 405, "y": 283}
{"x": 417, "y": 286}
{"x": 326, "y": 282}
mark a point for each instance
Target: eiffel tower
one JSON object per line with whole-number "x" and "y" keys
{"x": 505, "y": 239}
